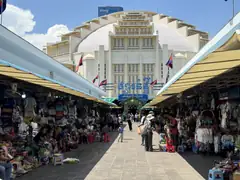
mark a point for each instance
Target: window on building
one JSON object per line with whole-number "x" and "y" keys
{"x": 147, "y": 42}
{"x": 122, "y": 68}
{"x": 105, "y": 71}
{"x": 133, "y": 42}
{"x": 118, "y": 42}
{"x": 129, "y": 67}
{"x": 119, "y": 79}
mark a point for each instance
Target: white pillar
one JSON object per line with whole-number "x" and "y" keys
{"x": 101, "y": 61}
{"x": 157, "y": 61}
{"x": 125, "y": 70}
{"x": 141, "y": 71}
{"x": 110, "y": 74}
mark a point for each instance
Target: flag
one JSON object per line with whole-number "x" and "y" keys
{"x": 80, "y": 63}
{"x": 170, "y": 62}
{"x": 3, "y": 5}
{"x": 153, "y": 83}
{"x": 104, "y": 82}
{"x": 95, "y": 79}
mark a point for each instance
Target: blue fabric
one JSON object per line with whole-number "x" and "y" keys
{"x": 5, "y": 171}
{"x": 121, "y": 130}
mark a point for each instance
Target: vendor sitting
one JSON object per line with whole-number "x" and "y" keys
{"x": 5, "y": 165}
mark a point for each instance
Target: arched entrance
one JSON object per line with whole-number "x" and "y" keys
{"x": 132, "y": 105}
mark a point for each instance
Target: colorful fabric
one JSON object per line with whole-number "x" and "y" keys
{"x": 95, "y": 79}
{"x": 170, "y": 62}
{"x": 104, "y": 82}
{"x": 80, "y": 63}
{"x": 3, "y": 5}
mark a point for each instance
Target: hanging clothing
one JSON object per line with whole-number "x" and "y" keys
{"x": 29, "y": 107}
{"x": 225, "y": 113}
{"x": 51, "y": 108}
{"x": 213, "y": 104}
{"x": 7, "y": 113}
{"x": 59, "y": 110}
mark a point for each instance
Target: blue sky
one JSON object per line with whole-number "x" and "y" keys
{"x": 207, "y": 15}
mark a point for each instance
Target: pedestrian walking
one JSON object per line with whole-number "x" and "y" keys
{"x": 120, "y": 130}
{"x": 149, "y": 131}
{"x": 130, "y": 119}
{"x": 143, "y": 119}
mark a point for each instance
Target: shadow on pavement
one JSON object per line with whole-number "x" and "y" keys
{"x": 128, "y": 139}
{"x": 201, "y": 163}
{"x": 89, "y": 156}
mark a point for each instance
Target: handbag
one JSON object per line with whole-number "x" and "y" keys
{"x": 144, "y": 129}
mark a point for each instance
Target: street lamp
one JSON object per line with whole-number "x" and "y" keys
{"x": 233, "y": 7}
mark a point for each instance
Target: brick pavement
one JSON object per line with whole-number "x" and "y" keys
{"x": 119, "y": 161}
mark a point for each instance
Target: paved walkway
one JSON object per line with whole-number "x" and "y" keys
{"x": 119, "y": 161}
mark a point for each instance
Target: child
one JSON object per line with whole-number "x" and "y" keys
{"x": 120, "y": 130}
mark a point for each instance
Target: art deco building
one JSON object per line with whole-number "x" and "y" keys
{"x": 129, "y": 47}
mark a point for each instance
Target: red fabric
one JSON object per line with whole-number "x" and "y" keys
{"x": 90, "y": 138}
{"x": 106, "y": 137}
{"x": 104, "y": 82}
{"x": 174, "y": 130}
{"x": 153, "y": 83}
{"x": 95, "y": 79}
{"x": 80, "y": 63}
{"x": 169, "y": 145}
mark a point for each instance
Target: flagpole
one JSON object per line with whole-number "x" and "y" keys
{"x": 98, "y": 79}
{"x": 167, "y": 76}
{"x": 1, "y": 11}
{"x": 83, "y": 66}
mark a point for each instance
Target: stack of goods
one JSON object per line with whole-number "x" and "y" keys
{"x": 224, "y": 169}
{"x": 204, "y": 131}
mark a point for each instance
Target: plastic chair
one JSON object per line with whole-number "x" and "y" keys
{"x": 90, "y": 138}
{"x": 180, "y": 148}
{"x": 58, "y": 159}
{"x": 170, "y": 147}
{"x": 106, "y": 138}
{"x": 215, "y": 174}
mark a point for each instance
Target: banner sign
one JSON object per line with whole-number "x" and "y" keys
{"x": 141, "y": 97}
{"x": 105, "y": 10}
{"x": 126, "y": 87}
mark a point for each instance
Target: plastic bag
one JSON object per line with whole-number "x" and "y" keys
{"x": 139, "y": 130}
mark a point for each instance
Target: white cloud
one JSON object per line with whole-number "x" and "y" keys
{"x": 21, "y": 22}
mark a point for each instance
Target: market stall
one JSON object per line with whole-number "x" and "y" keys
{"x": 205, "y": 101}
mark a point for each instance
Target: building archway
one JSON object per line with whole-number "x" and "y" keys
{"x": 132, "y": 105}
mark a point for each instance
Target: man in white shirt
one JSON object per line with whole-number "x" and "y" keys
{"x": 143, "y": 119}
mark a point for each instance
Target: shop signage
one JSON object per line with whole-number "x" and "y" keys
{"x": 105, "y": 10}
{"x": 141, "y": 97}
{"x": 229, "y": 93}
{"x": 126, "y": 87}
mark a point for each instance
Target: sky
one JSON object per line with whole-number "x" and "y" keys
{"x": 44, "y": 21}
